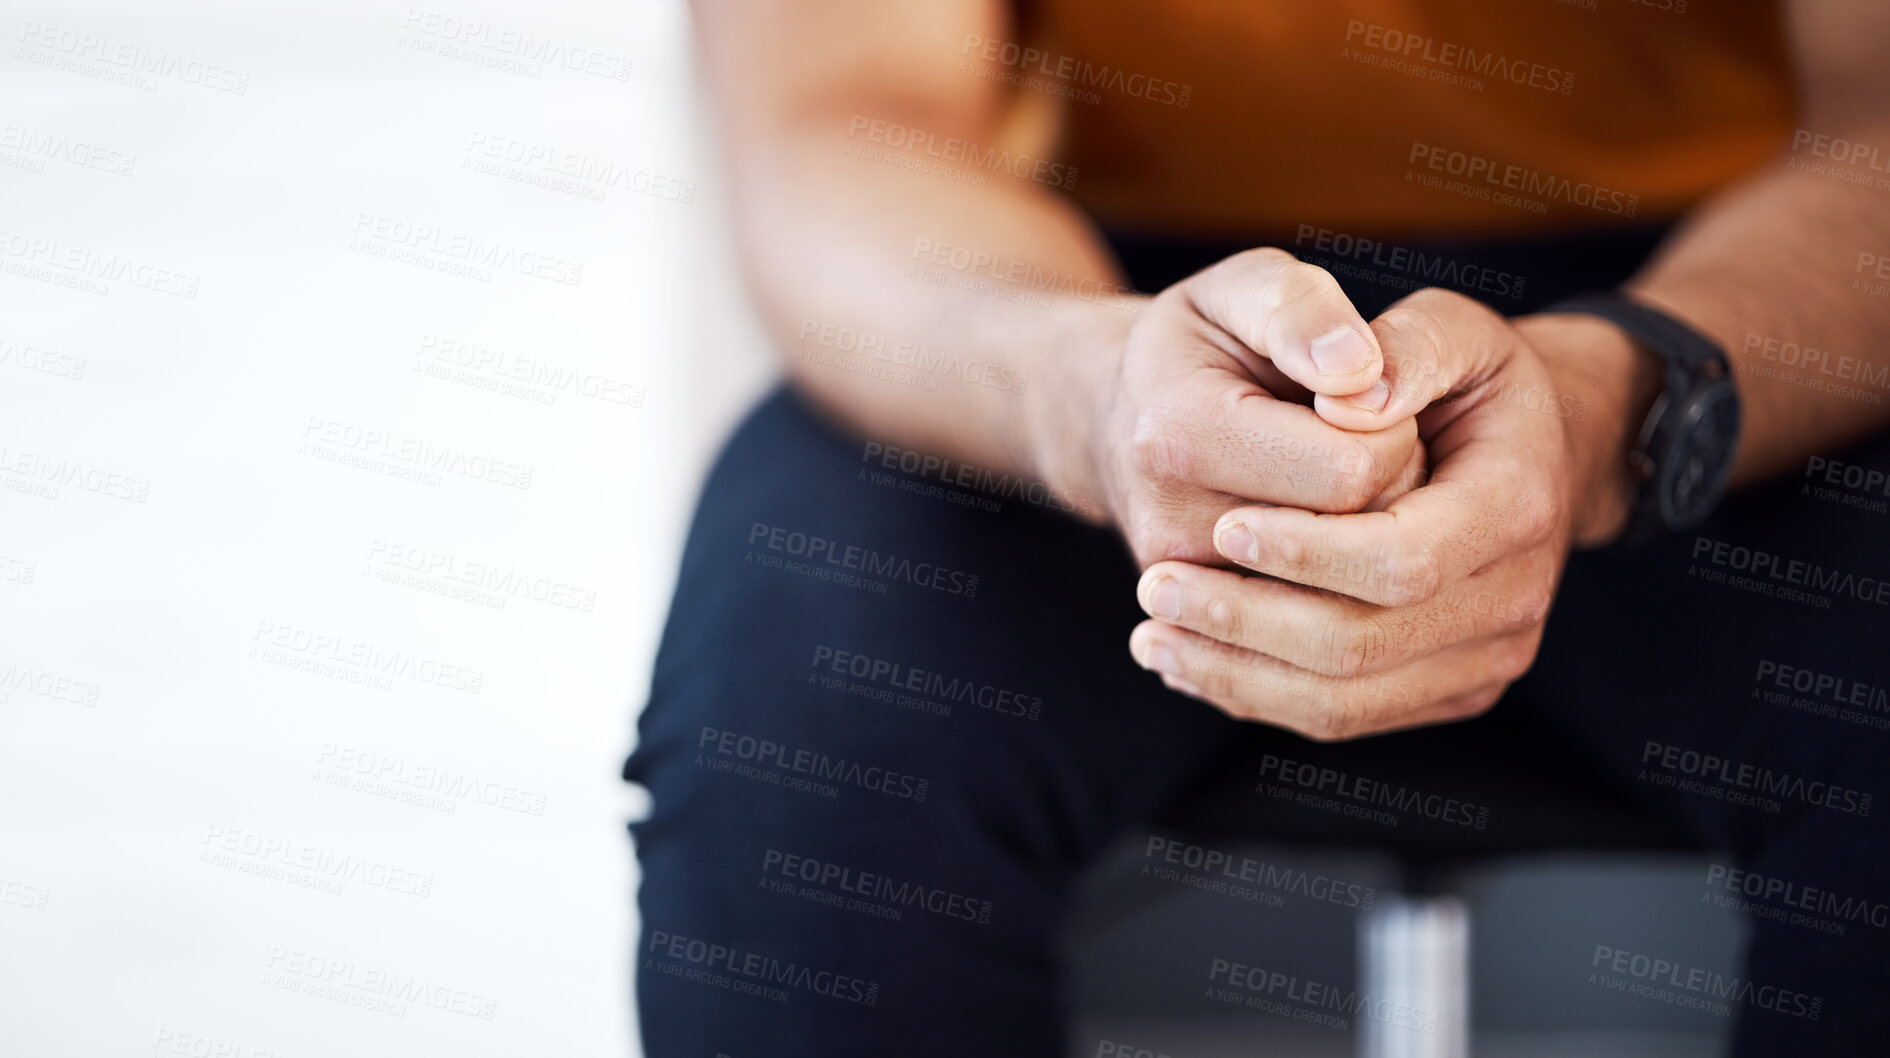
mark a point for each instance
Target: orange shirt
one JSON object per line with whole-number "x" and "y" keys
{"x": 1402, "y": 117}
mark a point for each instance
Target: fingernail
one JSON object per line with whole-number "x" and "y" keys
{"x": 1176, "y": 683}
{"x": 1236, "y": 542}
{"x": 1168, "y": 599}
{"x": 1372, "y": 399}
{"x": 1161, "y": 658}
{"x": 1342, "y": 352}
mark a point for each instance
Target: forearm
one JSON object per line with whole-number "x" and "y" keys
{"x": 967, "y": 321}
{"x": 1772, "y": 272}
{"x": 1769, "y": 270}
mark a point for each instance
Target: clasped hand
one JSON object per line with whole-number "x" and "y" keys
{"x": 1346, "y": 527}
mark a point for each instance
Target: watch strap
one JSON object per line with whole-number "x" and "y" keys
{"x": 1688, "y": 360}
{"x": 1676, "y": 344}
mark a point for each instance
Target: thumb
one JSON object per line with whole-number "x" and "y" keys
{"x": 1292, "y": 314}
{"x": 1434, "y": 342}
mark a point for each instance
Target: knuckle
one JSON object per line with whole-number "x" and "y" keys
{"x": 1413, "y": 574}
{"x": 1439, "y": 305}
{"x": 1333, "y": 718}
{"x": 1226, "y": 619}
{"x": 1152, "y": 543}
{"x": 1515, "y": 660}
{"x": 1152, "y": 535}
{"x": 1536, "y": 513}
{"x": 1287, "y": 551}
{"x": 1456, "y": 623}
{"x": 1241, "y": 271}
{"x": 1420, "y": 319}
{"x": 1171, "y": 299}
{"x": 1157, "y": 449}
{"x": 1300, "y": 280}
{"x": 1353, "y": 475}
{"x": 1418, "y": 370}
{"x": 1352, "y": 647}
{"x": 1372, "y": 646}
{"x": 1215, "y": 676}
{"x": 1291, "y": 285}
{"x": 1532, "y": 606}
{"x": 1268, "y": 258}
{"x": 1478, "y": 703}
{"x": 1356, "y": 489}
{"x": 1420, "y": 316}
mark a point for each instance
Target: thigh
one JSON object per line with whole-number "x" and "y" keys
{"x": 893, "y": 714}
{"x": 1735, "y": 678}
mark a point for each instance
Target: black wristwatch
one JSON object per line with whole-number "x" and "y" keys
{"x": 1685, "y": 450}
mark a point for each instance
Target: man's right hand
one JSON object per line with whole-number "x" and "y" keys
{"x": 1205, "y": 405}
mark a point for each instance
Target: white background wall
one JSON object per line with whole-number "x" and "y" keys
{"x": 206, "y": 480}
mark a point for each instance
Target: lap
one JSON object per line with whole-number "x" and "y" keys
{"x": 942, "y": 627}
{"x": 885, "y": 722}
{"x": 924, "y": 676}
{"x": 829, "y": 607}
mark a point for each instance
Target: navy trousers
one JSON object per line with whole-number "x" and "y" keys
{"x": 893, "y": 719}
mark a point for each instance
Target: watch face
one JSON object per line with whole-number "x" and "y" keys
{"x": 1695, "y": 464}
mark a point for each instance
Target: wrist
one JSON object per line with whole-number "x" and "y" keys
{"x": 1604, "y": 384}
{"x": 1064, "y": 416}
